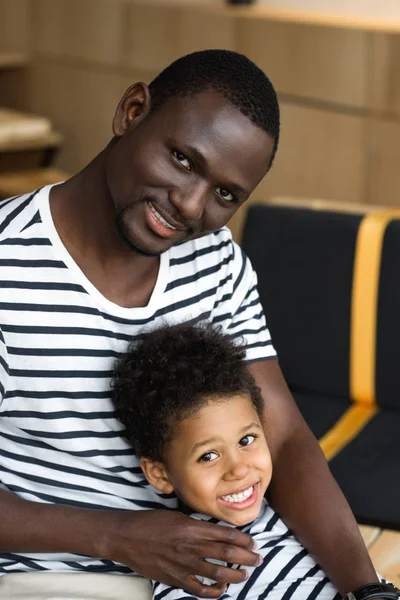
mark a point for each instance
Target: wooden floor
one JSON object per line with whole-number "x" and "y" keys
{"x": 384, "y": 549}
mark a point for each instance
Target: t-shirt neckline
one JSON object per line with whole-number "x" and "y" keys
{"x": 43, "y": 200}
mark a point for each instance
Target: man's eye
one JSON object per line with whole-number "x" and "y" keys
{"x": 225, "y": 194}
{"x": 208, "y": 457}
{"x": 185, "y": 162}
{"x": 247, "y": 440}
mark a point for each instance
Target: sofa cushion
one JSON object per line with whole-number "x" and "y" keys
{"x": 304, "y": 262}
{"x": 368, "y": 471}
{"x": 321, "y": 412}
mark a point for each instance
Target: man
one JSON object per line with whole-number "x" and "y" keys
{"x": 135, "y": 238}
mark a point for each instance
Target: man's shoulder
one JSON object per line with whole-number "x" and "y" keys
{"x": 17, "y": 214}
{"x": 214, "y": 259}
{"x": 216, "y": 244}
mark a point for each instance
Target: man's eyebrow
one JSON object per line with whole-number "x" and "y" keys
{"x": 199, "y": 156}
{"x": 239, "y": 191}
{"x": 202, "y": 161}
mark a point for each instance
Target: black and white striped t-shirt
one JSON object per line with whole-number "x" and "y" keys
{"x": 287, "y": 572}
{"x": 59, "y": 339}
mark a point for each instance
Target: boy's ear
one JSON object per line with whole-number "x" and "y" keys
{"x": 156, "y": 475}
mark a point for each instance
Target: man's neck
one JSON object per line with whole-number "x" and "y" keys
{"x": 84, "y": 216}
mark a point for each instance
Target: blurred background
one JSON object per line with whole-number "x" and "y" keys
{"x": 335, "y": 64}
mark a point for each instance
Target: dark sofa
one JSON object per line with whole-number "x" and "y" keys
{"x": 305, "y": 260}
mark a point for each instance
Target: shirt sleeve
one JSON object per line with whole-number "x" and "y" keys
{"x": 238, "y": 307}
{"x": 3, "y": 368}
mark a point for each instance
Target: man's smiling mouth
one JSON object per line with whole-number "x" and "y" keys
{"x": 161, "y": 218}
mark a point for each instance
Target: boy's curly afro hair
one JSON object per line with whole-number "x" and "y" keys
{"x": 169, "y": 375}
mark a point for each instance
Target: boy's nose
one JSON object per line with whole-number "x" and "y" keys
{"x": 237, "y": 469}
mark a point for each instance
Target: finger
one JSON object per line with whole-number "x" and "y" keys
{"x": 195, "y": 587}
{"x": 229, "y": 535}
{"x": 220, "y": 573}
{"x": 230, "y": 554}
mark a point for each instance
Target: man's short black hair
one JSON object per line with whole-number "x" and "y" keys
{"x": 172, "y": 373}
{"x": 235, "y": 76}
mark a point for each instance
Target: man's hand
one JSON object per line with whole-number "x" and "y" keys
{"x": 159, "y": 544}
{"x": 171, "y": 548}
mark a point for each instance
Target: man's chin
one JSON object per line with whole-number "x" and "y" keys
{"x": 133, "y": 245}
{"x": 143, "y": 251}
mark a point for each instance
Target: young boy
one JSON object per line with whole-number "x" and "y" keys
{"x": 194, "y": 416}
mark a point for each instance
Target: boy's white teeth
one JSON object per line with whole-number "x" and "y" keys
{"x": 160, "y": 218}
{"x": 239, "y": 497}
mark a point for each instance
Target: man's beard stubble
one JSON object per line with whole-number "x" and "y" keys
{"x": 123, "y": 232}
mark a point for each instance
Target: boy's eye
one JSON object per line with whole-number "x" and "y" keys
{"x": 182, "y": 159}
{"x": 208, "y": 457}
{"x": 225, "y": 194}
{"x": 247, "y": 440}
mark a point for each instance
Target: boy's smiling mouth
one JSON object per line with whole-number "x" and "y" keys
{"x": 242, "y": 499}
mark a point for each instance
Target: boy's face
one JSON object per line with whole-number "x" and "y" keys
{"x": 218, "y": 462}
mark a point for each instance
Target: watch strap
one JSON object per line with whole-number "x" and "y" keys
{"x": 374, "y": 590}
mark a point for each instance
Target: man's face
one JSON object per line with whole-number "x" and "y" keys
{"x": 219, "y": 463}
{"x": 184, "y": 170}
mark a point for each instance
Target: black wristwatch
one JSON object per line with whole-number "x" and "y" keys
{"x": 374, "y": 590}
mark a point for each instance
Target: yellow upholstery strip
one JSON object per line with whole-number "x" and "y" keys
{"x": 364, "y": 305}
{"x": 346, "y": 429}
{"x": 363, "y": 333}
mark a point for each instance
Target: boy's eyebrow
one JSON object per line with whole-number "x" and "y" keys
{"x": 200, "y": 444}
{"x": 214, "y": 439}
{"x": 247, "y": 427}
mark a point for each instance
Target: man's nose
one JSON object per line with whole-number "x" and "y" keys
{"x": 237, "y": 467}
{"x": 190, "y": 201}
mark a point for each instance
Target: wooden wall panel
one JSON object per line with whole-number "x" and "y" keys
{"x": 89, "y": 30}
{"x": 200, "y": 29}
{"x": 14, "y": 26}
{"x": 321, "y": 155}
{"x": 84, "y": 118}
{"x": 323, "y": 63}
{"x": 14, "y": 91}
{"x": 384, "y": 73}
{"x": 135, "y": 75}
{"x": 153, "y": 40}
{"x": 383, "y": 167}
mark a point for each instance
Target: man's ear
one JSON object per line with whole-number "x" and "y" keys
{"x": 156, "y": 475}
{"x": 133, "y": 107}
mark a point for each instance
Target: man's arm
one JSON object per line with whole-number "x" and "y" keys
{"x": 303, "y": 491}
{"x": 162, "y": 545}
